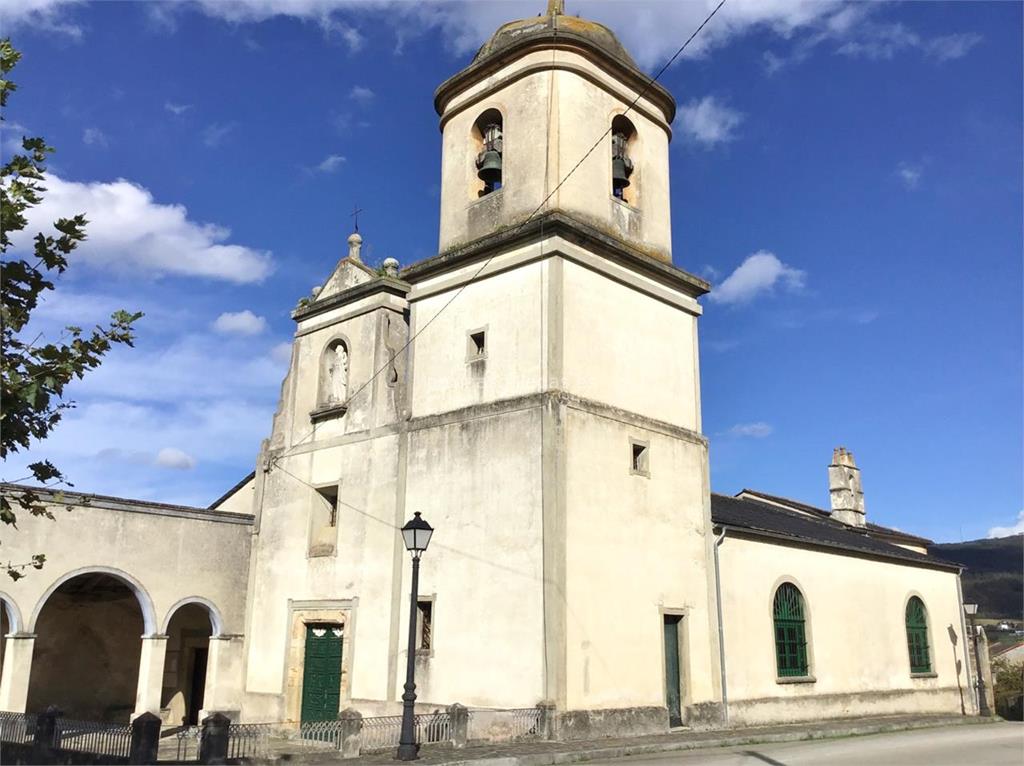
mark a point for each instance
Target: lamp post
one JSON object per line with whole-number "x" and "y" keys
{"x": 416, "y": 534}
{"x": 971, "y": 610}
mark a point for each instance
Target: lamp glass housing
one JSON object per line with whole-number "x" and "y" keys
{"x": 970, "y": 609}
{"x": 416, "y": 534}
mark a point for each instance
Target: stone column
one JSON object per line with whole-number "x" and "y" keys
{"x": 17, "y": 669}
{"x": 223, "y": 691}
{"x": 151, "y": 675}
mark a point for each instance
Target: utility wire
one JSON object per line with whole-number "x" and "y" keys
{"x": 529, "y": 218}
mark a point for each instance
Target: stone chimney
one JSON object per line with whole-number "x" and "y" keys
{"x": 845, "y": 490}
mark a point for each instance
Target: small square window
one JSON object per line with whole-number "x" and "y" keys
{"x": 476, "y": 345}
{"x": 639, "y": 458}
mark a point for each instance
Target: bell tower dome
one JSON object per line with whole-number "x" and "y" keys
{"x": 532, "y": 103}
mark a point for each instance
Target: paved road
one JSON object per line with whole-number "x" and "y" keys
{"x": 1000, "y": 744}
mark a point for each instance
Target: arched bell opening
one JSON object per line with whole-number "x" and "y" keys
{"x": 489, "y": 143}
{"x": 185, "y": 663}
{"x": 88, "y": 643}
{"x": 624, "y": 139}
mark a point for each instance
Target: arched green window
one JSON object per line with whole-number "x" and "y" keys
{"x": 790, "y": 635}
{"x": 917, "y": 636}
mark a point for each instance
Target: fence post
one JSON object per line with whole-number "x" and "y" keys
{"x": 546, "y": 722}
{"x": 145, "y": 742}
{"x": 350, "y": 730}
{"x": 43, "y": 743}
{"x": 459, "y": 717}
{"x": 213, "y": 741}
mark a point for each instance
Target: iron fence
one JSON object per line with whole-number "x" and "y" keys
{"x": 320, "y": 732}
{"x": 525, "y": 721}
{"x": 503, "y": 725}
{"x": 96, "y": 737}
{"x": 187, "y": 740}
{"x": 249, "y": 740}
{"x": 19, "y": 728}
{"x": 384, "y": 732}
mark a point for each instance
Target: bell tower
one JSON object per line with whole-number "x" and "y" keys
{"x": 542, "y": 95}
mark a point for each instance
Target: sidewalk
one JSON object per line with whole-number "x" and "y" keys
{"x": 548, "y": 753}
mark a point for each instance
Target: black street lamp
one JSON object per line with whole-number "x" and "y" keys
{"x": 416, "y": 534}
{"x": 972, "y": 610}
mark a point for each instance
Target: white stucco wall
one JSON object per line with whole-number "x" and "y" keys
{"x": 625, "y": 349}
{"x": 170, "y": 553}
{"x": 636, "y": 545}
{"x": 856, "y": 634}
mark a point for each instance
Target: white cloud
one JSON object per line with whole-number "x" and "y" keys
{"x": 651, "y": 30}
{"x": 239, "y": 323}
{"x": 172, "y": 457}
{"x": 882, "y": 42}
{"x": 756, "y": 430}
{"x": 709, "y": 122}
{"x": 176, "y": 109}
{"x": 361, "y": 94}
{"x": 130, "y": 232}
{"x": 330, "y": 164}
{"x": 94, "y": 137}
{"x": 759, "y": 273}
{"x": 909, "y": 174}
{"x": 950, "y": 47}
{"x": 214, "y": 135}
{"x": 1016, "y": 529}
{"x": 42, "y": 15}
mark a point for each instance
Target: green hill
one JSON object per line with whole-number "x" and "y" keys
{"x": 994, "y": 578}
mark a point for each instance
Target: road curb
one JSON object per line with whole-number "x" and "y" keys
{"x": 751, "y": 738}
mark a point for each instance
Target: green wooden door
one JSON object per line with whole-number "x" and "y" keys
{"x": 672, "y": 680}
{"x": 321, "y": 674}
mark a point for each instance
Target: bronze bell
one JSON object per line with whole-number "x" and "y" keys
{"x": 622, "y": 168}
{"x": 488, "y": 167}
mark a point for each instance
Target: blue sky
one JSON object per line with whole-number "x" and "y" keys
{"x": 847, "y": 175}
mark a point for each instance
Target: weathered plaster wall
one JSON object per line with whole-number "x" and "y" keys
{"x": 625, "y": 349}
{"x": 856, "y": 634}
{"x": 477, "y": 479}
{"x": 636, "y": 545}
{"x": 510, "y": 306}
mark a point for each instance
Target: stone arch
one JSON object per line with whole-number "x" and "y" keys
{"x": 482, "y": 140}
{"x": 216, "y": 621}
{"x": 624, "y": 152}
{"x": 13, "y": 614}
{"x": 145, "y": 602}
{"x": 91, "y": 627}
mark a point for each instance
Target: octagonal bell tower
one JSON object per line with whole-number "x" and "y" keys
{"x": 534, "y": 101}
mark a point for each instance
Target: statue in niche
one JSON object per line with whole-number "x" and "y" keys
{"x": 336, "y": 369}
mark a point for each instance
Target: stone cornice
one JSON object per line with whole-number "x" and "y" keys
{"x": 374, "y": 286}
{"x": 558, "y": 223}
{"x": 109, "y": 503}
{"x": 562, "y": 40}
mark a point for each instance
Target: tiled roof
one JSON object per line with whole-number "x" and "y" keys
{"x": 888, "y": 531}
{"x": 771, "y": 521}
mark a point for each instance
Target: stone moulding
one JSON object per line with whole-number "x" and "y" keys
{"x": 328, "y": 412}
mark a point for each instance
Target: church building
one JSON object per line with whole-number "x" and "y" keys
{"x": 580, "y": 558}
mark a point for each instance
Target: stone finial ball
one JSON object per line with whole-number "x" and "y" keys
{"x": 390, "y": 266}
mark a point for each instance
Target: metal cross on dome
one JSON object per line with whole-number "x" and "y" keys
{"x": 356, "y": 210}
